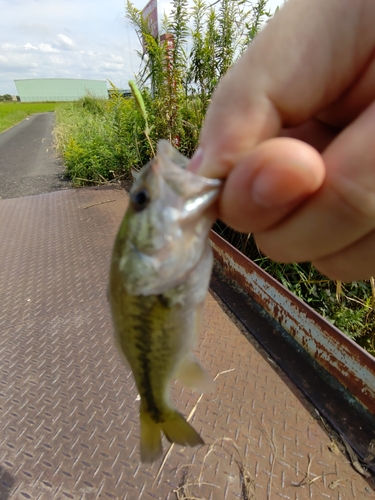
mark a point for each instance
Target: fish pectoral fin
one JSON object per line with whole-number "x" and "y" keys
{"x": 151, "y": 448}
{"x": 191, "y": 373}
{"x": 178, "y": 430}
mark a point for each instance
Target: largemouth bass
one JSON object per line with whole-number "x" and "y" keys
{"x": 159, "y": 277}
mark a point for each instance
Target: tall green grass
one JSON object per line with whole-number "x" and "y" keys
{"x": 98, "y": 139}
{"x": 12, "y": 113}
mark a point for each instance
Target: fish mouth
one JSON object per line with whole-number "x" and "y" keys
{"x": 198, "y": 204}
{"x": 192, "y": 193}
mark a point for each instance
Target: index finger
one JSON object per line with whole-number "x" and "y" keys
{"x": 308, "y": 55}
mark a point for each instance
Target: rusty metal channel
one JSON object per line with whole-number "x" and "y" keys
{"x": 335, "y": 373}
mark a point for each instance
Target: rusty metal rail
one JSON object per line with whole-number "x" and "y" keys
{"x": 335, "y": 373}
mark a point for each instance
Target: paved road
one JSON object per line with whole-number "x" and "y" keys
{"x": 28, "y": 163}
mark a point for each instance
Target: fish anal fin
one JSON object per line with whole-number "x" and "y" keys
{"x": 151, "y": 448}
{"x": 178, "y": 430}
{"x": 192, "y": 374}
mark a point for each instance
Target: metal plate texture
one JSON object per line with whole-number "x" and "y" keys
{"x": 69, "y": 408}
{"x": 337, "y": 353}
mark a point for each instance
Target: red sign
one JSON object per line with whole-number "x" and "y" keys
{"x": 150, "y": 13}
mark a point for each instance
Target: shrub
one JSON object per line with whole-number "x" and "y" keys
{"x": 96, "y": 138}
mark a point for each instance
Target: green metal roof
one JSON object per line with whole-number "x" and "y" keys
{"x": 59, "y": 89}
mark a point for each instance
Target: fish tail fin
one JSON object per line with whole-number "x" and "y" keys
{"x": 151, "y": 447}
{"x": 178, "y": 430}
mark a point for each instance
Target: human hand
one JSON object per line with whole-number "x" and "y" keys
{"x": 292, "y": 129}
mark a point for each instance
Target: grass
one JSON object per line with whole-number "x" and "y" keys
{"x": 98, "y": 139}
{"x": 349, "y": 306}
{"x": 12, "y": 113}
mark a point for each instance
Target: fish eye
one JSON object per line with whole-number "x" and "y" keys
{"x": 140, "y": 199}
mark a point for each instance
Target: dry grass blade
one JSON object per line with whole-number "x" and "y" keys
{"x": 334, "y": 448}
{"x": 306, "y": 479}
{"x": 218, "y": 442}
{"x": 191, "y": 414}
{"x": 338, "y": 290}
{"x": 274, "y": 453}
{"x": 372, "y": 282}
{"x": 354, "y": 459}
{"x": 89, "y": 181}
{"x": 99, "y": 203}
{"x": 247, "y": 483}
{"x": 100, "y": 175}
{"x": 302, "y": 483}
{"x": 183, "y": 491}
{"x": 335, "y": 484}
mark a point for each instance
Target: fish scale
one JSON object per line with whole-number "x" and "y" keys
{"x": 160, "y": 271}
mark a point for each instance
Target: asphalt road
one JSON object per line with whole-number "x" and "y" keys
{"x": 28, "y": 163}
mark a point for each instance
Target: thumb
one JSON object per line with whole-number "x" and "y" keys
{"x": 269, "y": 183}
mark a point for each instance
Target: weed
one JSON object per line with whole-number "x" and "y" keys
{"x": 96, "y": 138}
{"x": 349, "y": 306}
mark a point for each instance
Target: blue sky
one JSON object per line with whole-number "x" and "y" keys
{"x": 69, "y": 39}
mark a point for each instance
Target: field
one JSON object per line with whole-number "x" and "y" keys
{"x": 12, "y": 113}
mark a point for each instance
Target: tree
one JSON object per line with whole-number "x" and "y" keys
{"x": 6, "y": 97}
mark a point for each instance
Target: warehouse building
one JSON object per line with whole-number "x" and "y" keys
{"x": 59, "y": 89}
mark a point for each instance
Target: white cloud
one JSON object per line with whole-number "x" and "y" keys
{"x": 65, "y": 41}
{"x": 118, "y": 59}
{"x": 46, "y": 47}
{"x": 111, "y": 66}
{"x": 69, "y": 39}
{"x": 7, "y": 46}
{"x": 28, "y": 46}
{"x": 60, "y": 60}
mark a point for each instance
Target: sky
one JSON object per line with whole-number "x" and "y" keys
{"x": 70, "y": 39}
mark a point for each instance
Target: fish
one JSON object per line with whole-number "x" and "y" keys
{"x": 159, "y": 277}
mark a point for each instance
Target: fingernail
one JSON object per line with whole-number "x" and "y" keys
{"x": 196, "y": 161}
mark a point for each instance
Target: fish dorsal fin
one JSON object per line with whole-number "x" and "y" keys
{"x": 175, "y": 156}
{"x": 135, "y": 173}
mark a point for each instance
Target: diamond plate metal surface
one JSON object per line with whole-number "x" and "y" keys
{"x": 69, "y": 410}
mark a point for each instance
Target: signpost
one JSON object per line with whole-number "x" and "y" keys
{"x": 150, "y": 13}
